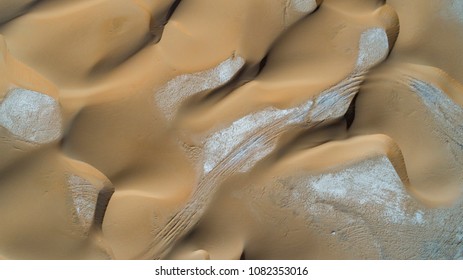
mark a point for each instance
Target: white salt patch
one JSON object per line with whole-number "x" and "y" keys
{"x": 304, "y": 6}
{"x": 31, "y": 116}
{"x": 447, "y": 113}
{"x": 459, "y": 241}
{"x": 244, "y": 131}
{"x": 373, "y": 48}
{"x": 330, "y": 105}
{"x": 334, "y": 102}
{"x": 370, "y": 184}
{"x": 453, "y": 10}
{"x": 84, "y": 196}
{"x": 261, "y": 149}
{"x": 221, "y": 143}
{"x": 419, "y": 217}
{"x": 180, "y": 88}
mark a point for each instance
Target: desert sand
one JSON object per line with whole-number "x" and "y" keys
{"x": 219, "y": 129}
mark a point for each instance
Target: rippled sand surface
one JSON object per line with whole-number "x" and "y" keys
{"x": 218, "y": 129}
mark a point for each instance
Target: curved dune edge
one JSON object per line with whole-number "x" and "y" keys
{"x": 288, "y": 129}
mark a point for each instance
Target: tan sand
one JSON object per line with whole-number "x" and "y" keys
{"x": 204, "y": 129}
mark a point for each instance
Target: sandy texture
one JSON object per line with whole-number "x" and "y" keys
{"x": 203, "y": 129}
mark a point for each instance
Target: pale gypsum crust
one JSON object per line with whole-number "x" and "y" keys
{"x": 31, "y": 116}
{"x": 304, "y": 6}
{"x": 370, "y": 191}
{"x": 373, "y": 48}
{"x": 369, "y": 184}
{"x": 84, "y": 197}
{"x": 446, "y": 112}
{"x": 177, "y": 90}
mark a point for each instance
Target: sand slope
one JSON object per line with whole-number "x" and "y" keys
{"x": 200, "y": 129}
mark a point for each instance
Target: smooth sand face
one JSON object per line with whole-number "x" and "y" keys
{"x": 200, "y": 129}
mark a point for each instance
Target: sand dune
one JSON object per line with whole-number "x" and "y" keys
{"x": 200, "y": 129}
